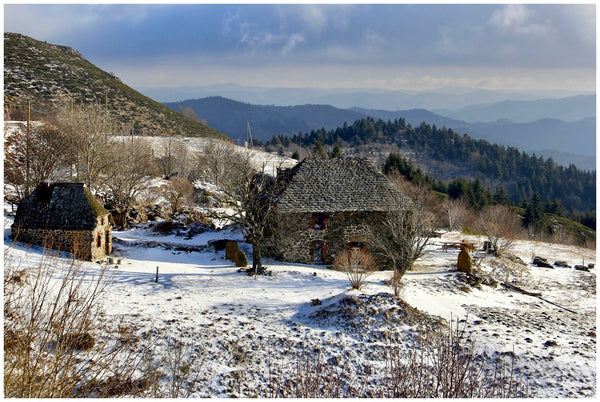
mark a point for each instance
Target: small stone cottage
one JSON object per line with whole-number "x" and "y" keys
{"x": 326, "y": 206}
{"x": 64, "y": 216}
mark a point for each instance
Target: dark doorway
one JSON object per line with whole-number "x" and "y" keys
{"x": 318, "y": 253}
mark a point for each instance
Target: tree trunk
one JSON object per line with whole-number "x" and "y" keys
{"x": 256, "y": 257}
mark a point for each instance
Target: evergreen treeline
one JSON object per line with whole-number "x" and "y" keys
{"x": 473, "y": 192}
{"x": 522, "y": 175}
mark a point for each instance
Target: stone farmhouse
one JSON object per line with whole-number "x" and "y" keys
{"x": 325, "y": 206}
{"x": 64, "y": 216}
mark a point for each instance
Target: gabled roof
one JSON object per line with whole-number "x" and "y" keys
{"x": 337, "y": 185}
{"x": 66, "y": 206}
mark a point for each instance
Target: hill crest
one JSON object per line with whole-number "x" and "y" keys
{"x": 51, "y": 76}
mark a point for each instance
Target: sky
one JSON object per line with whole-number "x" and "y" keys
{"x": 387, "y": 46}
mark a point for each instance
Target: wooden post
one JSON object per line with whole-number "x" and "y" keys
{"x": 28, "y": 156}
{"x": 156, "y": 280}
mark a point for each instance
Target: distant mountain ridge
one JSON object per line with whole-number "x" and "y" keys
{"x": 50, "y": 75}
{"x": 567, "y": 142}
{"x": 442, "y": 100}
{"x": 231, "y": 117}
{"x": 573, "y": 108}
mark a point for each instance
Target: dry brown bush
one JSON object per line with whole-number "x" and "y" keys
{"x": 357, "y": 264}
{"x": 501, "y": 226}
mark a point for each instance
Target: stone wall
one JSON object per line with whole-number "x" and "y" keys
{"x": 295, "y": 234}
{"x": 84, "y": 244}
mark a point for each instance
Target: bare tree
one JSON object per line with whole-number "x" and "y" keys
{"x": 32, "y": 154}
{"x": 253, "y": 192}
{"x": 216, "y": 161}
{"x": 175, "y": 158}
{"x": 87, "y": 130}
{"x": 125, "y": 176}
{"x": 191, "y": 114}
{"x": 406, "y": 230}
{"x": 457, "y": 213}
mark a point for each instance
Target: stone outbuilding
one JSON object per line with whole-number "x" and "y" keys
{"x": 64, "y": 216}
{"x": 325, "y": 206}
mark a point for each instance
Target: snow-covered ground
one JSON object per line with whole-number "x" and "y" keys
{"x": 262, "y": 160}
{"x": 232, "y": 327}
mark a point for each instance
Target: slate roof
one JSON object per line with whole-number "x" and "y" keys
{"x": 337, "y": 185}
{"x": 66, "y": 206}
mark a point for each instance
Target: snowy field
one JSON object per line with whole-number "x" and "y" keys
{"x": 231, "y": 327}
{"x": 270, "y": 162}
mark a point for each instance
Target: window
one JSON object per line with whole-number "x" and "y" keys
{"x": 319, "y": 222}
{"x": 99, "y": 240}
{"x": 355, "y": 245}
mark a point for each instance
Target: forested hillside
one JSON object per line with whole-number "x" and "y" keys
{"x": 521, "y": 174}
{"x": 566, "y": 142}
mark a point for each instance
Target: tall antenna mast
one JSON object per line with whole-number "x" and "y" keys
{"x": 249, "y": 132}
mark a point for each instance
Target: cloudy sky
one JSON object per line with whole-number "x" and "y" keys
{"x": 397, "y": 46}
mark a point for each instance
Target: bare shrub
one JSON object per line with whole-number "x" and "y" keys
{"x": 310, "y": 377}
{"x": 458, "y": 214}
{"x": 357, "y": 264}
{"x": 437, "y": 365}
{"x": 56, "y": 345}
{"x": 179, "y": 192}
{"x": 445, "y": 365}
{"x": 501, "y": 226}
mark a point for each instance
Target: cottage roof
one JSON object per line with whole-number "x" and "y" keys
{"x": 66, "y": 206}
{"x": 337, "y": 185}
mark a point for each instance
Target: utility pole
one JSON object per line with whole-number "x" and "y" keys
{"x": 27, "y": 146}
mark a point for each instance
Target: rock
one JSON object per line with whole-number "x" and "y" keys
{"x": 315, "y": 302}
{"x": 591, "y": 265}
{"x": 474, "y": 281}
{"x": 465, "y": 263}
{"x": 582, "y": 268}
{"x": 550, "y": 343}
{"x": 562, "y": 264}
{"x": 489, "y": 281}
{"x": 541, "y": 262}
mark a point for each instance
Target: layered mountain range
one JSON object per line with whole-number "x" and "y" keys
{"x": 52, "y": 76}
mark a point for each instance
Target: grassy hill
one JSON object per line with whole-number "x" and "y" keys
{"x": 51, "y": 76}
